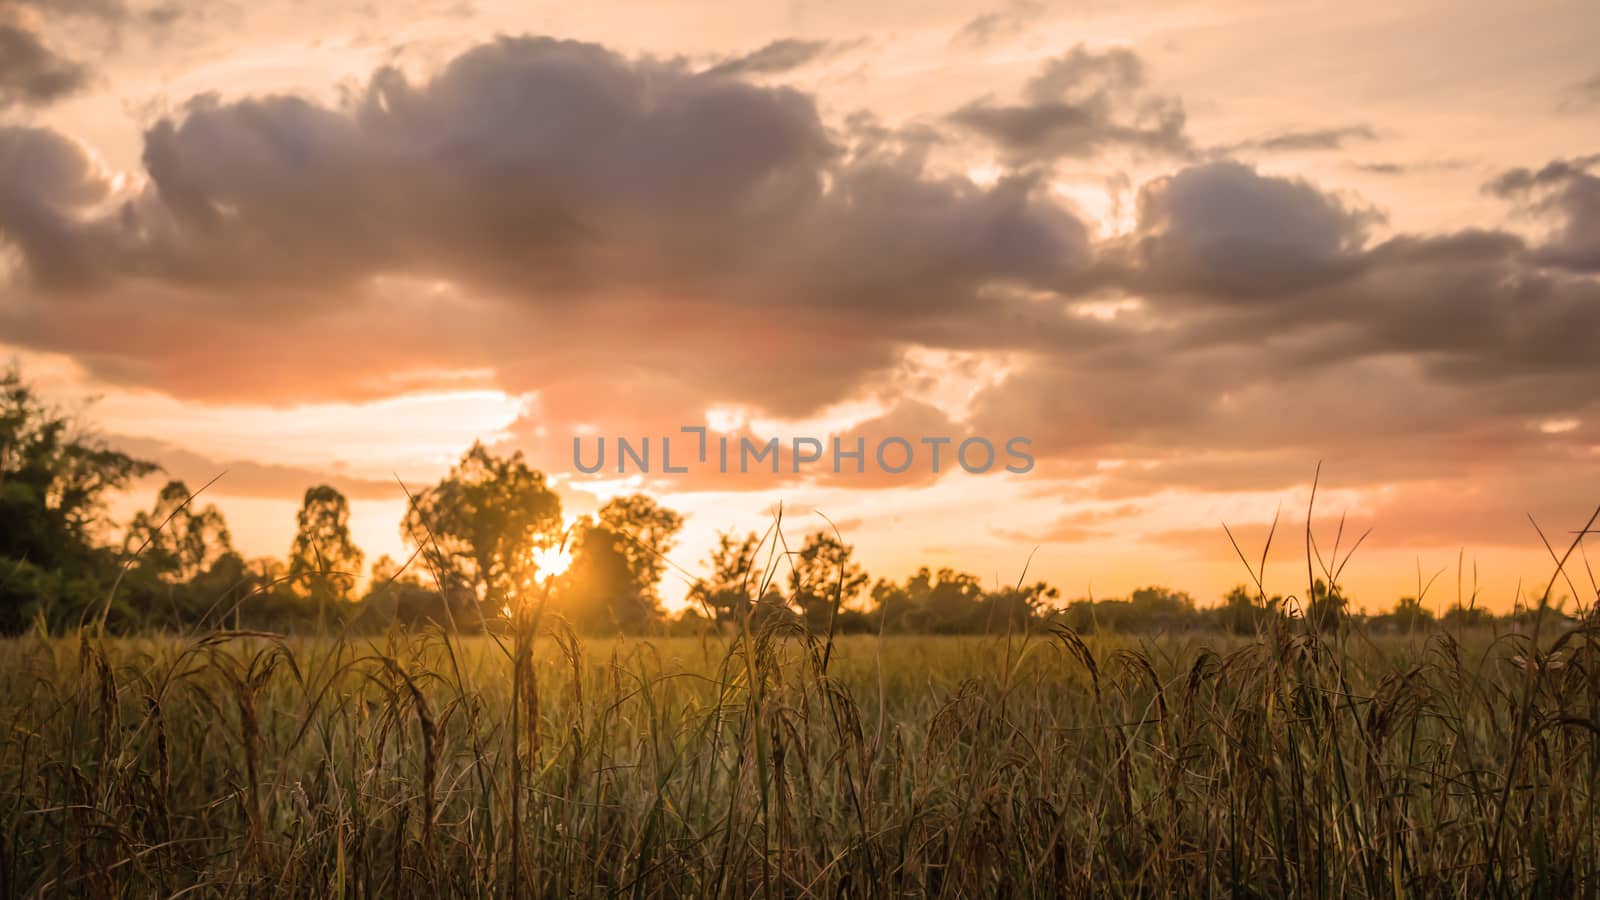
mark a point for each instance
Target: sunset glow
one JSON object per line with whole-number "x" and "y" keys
{"x": 339, "y": 246}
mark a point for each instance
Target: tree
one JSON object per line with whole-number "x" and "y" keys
{"x": 617, "y": 563}
{"x": 1240, "y": 613}
{"x": 946, "y": 602}
{"x": 323, "y": 561}
{"x": 54, "y": 480}
{"x": 1327, "y": 609}
{"x": 1409, "y": 614}
{"x": 397, "y": 594}
{"x": 648, "y": 531}
{"x": 735, "y": 577}
{"x": 177, "y": 539}
{"x": 1013, "y": 608}
{"x": 1468, "y": 616}
{"x": 182, "y": 564}
{"x": 598, "y": 592}
{"x": 479, "y": 527}
{"x": 823, "y": 577}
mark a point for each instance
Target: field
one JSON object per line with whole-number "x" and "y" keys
{"x": 1329, "y": 765}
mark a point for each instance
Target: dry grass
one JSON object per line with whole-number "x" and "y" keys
{"x": 535, "y": 764}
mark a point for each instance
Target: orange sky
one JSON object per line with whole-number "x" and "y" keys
{"x": 1188, "y": 250}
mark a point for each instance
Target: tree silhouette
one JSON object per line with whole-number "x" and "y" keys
{"x": 1328, "y": 607}
{"x": 54, "y": 479}
{"x": 648, "y": 531}
{"x": 735, "y": 576}
{"x": 946, "y": 602}
{"x": 177, "y": 538}
{"x": 823, "y": 576}
{"x": 479, "y": 527}
{"x": 617, "y": 562}
{"x": 1409, "y": 614}
{"x": 323, "y": 561}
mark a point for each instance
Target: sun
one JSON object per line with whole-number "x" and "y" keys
{"x": 551, "y": 561}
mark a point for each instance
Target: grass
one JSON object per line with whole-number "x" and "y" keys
{"x": 535, "y": 764}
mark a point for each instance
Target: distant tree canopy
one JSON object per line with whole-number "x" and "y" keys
{"x": 176, "y": 540}
{"x": 479, "y": 527}
{"x": 179, "y": 561}
{"x": 54, "y": 480}
{"x": 488, "y": 539}
{"x": 736, "y": 576}
{"x": 324, "y": 564}
{"x": 950, "y": 602}
{"x": 618, "y": 558}
{"x": 823, "y": 577}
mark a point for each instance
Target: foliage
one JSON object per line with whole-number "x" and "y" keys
{"x": 645, "y": 532}
{"x": 177, "y": 539}
{"x": 736, "y": 575}
{"x": 323, "y": 561}
{"x": 823, "y": 578}
{"x": 479, "y": 526}
{"x": 54, "y": 480}
{"x": 1328, "y": 607}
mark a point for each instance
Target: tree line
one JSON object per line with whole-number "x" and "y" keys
{"x": 488, "y": 537}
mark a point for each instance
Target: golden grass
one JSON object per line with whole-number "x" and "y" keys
{"x": 1042, "y": 764}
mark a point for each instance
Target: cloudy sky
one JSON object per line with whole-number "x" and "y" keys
{"x": 1188, "y": 250}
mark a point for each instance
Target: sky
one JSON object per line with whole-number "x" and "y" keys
{"x": 1188, "y": 252}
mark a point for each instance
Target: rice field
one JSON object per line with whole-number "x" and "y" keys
{"x": 528, "y": 762}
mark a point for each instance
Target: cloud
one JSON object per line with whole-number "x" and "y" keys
{"x": 31, "y": 73}
{"x": 1568, "y": 191}
{"x": 1301, "y": 141}
{"x": 1226, "y": 231}
{"x": 1093, "y": 524}
{"x": 1489, "y": 508}
{"x": 1080, "y": 105}
{"x": 1264, "y": 327}
{"x": 988, "y": 28}
{"x": 534, "y": 200}
{"x": 245, "y": 478}
{"x": 627, "y": 242}
{"x": 102, "y": 10}
{"x": 1581, "y": 97}
{"x": 48, "y": 184}
{"x": 1407, "y": 168}
{"x": 778, "y": 57}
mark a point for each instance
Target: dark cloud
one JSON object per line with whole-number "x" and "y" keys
{"x": 33, "y": 70}
{"x": 1407, "y": 168}
{"x": 632, "y": 241}
{"x": 1300, "y": 141}
{"x": 47, "y": 185}
{"x": 112, "y": 11}
{"x": 534, "y": 200}
{"x": 1268, "y": 330}
{"x": 31, "y": 73}
{"x": 991, "y": 27}
{"x": 1080, "y": 105}
{"x": 1227, "y": 232}
{"x": 1569, "y": 191}
{"x": 778, "y": 57}
{"x": 1582, "y": 97}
